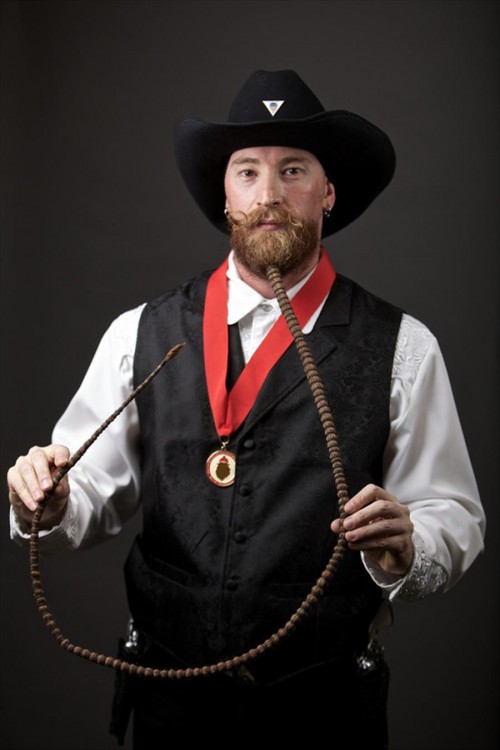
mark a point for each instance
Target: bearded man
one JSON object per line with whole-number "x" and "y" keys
{"x": 226, "y": 453}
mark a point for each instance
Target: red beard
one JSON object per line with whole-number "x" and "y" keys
{"x": 287, "y": 247}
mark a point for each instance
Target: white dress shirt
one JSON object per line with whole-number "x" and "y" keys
{"x": 426, "y": 463}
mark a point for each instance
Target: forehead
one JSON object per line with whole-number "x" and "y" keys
{"x": 272, "y": 155}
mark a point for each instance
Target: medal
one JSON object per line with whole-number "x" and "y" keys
{"x": 221, "y": 466}
{"x": 229, "y": 410}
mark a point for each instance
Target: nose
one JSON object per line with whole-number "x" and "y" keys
{"x": 269, "y": 202}
{"x": 269, "y": 192}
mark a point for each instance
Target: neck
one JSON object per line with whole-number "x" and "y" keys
{"x": 263, "y": 287}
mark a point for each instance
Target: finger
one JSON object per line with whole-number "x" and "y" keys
{"x": 19, "y": 494}
{"x": 336, "y": 526}
{"x": 45, "y": 461}
{"x": 396, "y": 544}
{"x": 61, "y": 455}
{"x": 29, "y": 479}
{"x": 62, "y": 489}
{"x": 377, "y": 510}
{"x": 364, "y": 497}
{"x": 375, "y": 532}
{"x": 42, "y": 462}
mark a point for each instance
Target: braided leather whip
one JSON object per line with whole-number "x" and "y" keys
{"x": 326, "y": 418}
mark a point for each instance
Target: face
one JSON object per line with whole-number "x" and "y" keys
{"x": 276, "y": 197}
{"x": 290, "y": 178}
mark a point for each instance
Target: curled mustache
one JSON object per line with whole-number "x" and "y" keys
{"x": 249, "y": 221}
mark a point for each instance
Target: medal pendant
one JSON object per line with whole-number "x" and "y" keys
{"x": 220, "y": 467}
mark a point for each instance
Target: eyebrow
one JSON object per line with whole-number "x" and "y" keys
{"x": 283, "y": 162}
{"x": 244, "y": 160}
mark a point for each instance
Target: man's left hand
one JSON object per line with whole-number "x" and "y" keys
{"x": 380, "y": 526}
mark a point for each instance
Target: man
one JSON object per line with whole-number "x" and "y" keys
{"x": 226, "y": 452}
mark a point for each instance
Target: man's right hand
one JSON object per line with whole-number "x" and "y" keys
{"x": 31, "y": 477}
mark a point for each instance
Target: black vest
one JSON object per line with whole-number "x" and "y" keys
{"x": 218, "y": 569}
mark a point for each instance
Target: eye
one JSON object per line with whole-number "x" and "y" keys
{"x": 292, "y": 171}
{"x": 247, "y": 173}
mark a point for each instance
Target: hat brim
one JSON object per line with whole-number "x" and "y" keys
{"x": 357, "y": 157}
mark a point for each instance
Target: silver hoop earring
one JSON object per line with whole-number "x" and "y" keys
{"x": 226, "y": 213}
{"x": 326, "y": 213}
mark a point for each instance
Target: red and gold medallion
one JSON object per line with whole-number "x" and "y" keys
{"x": 221, "y": 467}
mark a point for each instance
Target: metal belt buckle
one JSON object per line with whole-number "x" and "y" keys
{"x": 371, "y": 658}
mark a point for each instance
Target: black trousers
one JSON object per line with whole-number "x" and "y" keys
{"x": 333, "y": 698}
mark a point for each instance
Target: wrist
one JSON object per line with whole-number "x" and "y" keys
{"x": 52, "y": 515}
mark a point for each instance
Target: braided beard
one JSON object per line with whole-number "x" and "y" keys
{"x": 287, "y": 247}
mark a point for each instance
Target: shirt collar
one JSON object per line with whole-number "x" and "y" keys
{"x": 242, "y": 299}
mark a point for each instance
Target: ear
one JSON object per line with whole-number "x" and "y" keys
{"x": 329, "y": 197}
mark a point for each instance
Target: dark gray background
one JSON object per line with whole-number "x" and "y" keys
{"x": 95, "y": 220}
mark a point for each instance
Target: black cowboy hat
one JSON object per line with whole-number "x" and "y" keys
{"x": 279, "y": 109}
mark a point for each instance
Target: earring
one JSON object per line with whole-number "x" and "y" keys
{"x": 226, "y": 213}
{"x": 326, "y": 213}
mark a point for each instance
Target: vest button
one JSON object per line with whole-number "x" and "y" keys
{"x": 249, "y": 444}
{"x": 240, "y": 537}
{"x": 232, "y": 584}
{"x": 245, "y": 490}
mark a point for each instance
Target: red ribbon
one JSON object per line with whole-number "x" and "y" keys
{"x": 230, "y": 410}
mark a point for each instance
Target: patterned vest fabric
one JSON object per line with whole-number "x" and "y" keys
{"x": 218, "y": 569}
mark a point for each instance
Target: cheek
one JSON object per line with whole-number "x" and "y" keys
{"x": 234, "y": 197}
{"x": 230, "y": 188}
{"x": 227, "y": 191}
{"x": 312, "y": 202}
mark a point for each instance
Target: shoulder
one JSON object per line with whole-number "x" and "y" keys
{"x": 415, "y": 344}
{"x": 358, "y": 296}
{"x": 370, "y": 322}
{"x": 190, "y": 293}
{"x": 124, "y": 329}
{"x": 125, "y": 325}
{"x": 122, "y": 333}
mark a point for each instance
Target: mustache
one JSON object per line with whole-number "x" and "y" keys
{"x": 276, "y": 214}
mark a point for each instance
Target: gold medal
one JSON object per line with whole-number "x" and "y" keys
{"x": 221, "y": 467}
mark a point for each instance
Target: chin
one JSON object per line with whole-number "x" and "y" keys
{"x": 288, "y": 247}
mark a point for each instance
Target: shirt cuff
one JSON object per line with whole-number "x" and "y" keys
{"x": 54, "y": 540}
{"x": 425, "y": 576}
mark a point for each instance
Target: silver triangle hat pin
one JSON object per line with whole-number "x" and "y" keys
{"x": 273, "y": 105}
